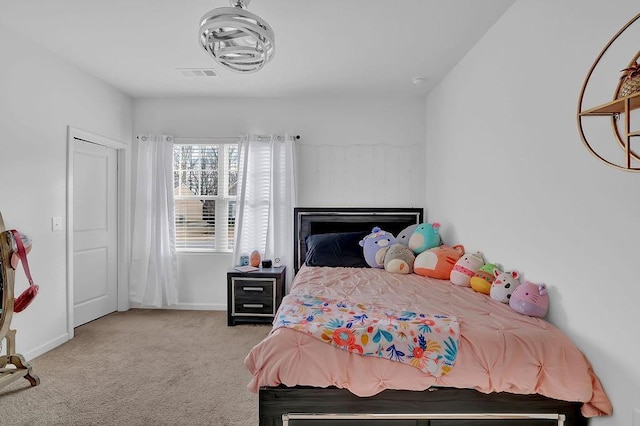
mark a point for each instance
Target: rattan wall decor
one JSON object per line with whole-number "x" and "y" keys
{"x": 630, "y": 80}
{"x": 626, "y": 98}
{"x": 12, "y": 365}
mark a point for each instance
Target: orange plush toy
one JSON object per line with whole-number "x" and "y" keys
{"x": 438, "y": 262}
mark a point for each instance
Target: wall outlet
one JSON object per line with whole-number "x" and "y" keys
{"x": 636, "y": 417}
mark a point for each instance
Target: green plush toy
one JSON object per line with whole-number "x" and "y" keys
{"x": 399, "y": 259}
{"x": 484, "y": 277}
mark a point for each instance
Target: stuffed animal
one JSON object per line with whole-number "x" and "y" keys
{"x": 481, "y": 280}
{"x": 399, "y": 259}
{"x": 530, "y": 299}
{"x": 465, "y": 267}
{"x": 503, "y": 286}
{"x": 375, "y": 246}
{"x": 405, "y": 234}
{"x": 438, "y": 262}
{"x": 424, "y": 237}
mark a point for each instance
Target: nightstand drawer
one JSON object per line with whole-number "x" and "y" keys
{"x": 254, "y": 296}
{"x": 254, "y": 288}
{"x": 253, "y": 307}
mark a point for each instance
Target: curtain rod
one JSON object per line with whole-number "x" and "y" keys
{"x": 229, "y": 139}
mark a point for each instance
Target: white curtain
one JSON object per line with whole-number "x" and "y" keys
{"x": 153, "y": 275}
{"x": 266, "y": 198}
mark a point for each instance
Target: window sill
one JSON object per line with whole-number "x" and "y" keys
{"x": 202, "y": 251}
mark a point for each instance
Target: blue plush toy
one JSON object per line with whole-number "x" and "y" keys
{"x": 375, "y": 246}
{"x": 426, "y": 236}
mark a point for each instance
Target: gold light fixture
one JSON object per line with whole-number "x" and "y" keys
{"x": 236, "y": 39}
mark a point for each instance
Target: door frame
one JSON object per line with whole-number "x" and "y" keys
{"x": 123, "y": 217}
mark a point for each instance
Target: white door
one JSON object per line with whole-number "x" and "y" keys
{"x": 95, "y": 233}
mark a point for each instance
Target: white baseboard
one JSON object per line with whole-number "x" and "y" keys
{"x": 187, "y": 306}
{"x": 200, "y": 306}
{"x": 46, "y": 347}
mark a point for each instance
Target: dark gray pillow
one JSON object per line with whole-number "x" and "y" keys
{"x": 336, "y": 249}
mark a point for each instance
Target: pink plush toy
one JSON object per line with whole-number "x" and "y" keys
{"x": 465, "y": 267}
{"x": 530, "y": 299}
{"x": 504, "y": 285}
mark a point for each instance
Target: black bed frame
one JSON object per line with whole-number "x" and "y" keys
{"x": 296, "y": 406}
{"x": 278, "y": 401}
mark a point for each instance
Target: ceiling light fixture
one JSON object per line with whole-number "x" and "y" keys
{"x": 236, "y": 39}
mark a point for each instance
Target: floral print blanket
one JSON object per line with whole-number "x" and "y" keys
{"x": 427, "y": 342}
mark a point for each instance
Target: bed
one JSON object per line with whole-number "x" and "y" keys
{"x": 302, "y": 380}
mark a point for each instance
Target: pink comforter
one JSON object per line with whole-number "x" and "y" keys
{"x": 500, "y": 349}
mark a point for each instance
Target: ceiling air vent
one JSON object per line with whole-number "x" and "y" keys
{"x": 197, "y": 72}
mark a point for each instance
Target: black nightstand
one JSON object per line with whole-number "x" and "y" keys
{"x": 254, "y": 297}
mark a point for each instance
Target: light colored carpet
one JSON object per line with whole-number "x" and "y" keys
{"x": 142, "y": 367}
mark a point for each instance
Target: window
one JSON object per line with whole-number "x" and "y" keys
{"x": 205, "y": 181}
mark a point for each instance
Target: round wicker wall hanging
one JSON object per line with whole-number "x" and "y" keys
{"x": 626, "y": 98}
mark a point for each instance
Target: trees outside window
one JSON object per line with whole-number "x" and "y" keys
{"x": 205, "y": 180}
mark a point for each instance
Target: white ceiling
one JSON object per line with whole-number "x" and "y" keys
{"x": 323, "y": 47}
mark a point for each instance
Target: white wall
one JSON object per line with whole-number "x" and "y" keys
{"x": 507, "y": 174}
{"x": 353, "y": 152}
{"x": 41, "y": 96}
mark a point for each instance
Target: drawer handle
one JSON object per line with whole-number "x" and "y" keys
{"x": 260, "y": 289}
{"x": 253, "y": 305}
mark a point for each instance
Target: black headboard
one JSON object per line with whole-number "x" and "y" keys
{"x": 322, "y": 220}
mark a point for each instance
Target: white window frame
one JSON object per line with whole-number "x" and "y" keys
{"x": 222, "y": 200}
